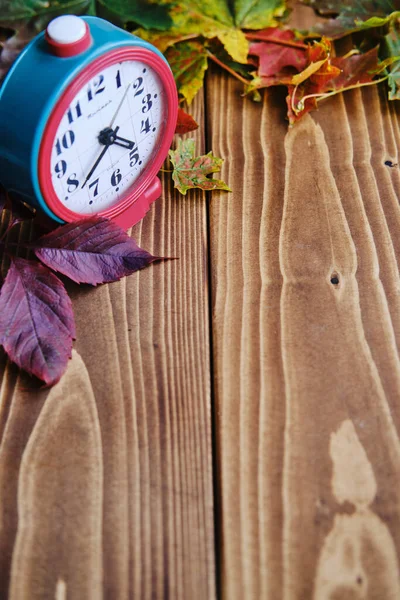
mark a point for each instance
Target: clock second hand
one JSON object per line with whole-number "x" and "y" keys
{"x": 101, "y": 155}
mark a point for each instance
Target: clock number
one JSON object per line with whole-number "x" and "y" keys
{"x": 138, "y": 86}
{"x": 95, "y": 184}
{"x": 147, "y": 103}
{"x": 72, "y": 183}
{"x": 96, "y": 85}
{"x": 60, "y": 168}
{"x": 145, "y": 126}
{"x": 66, "y": 141}
{"x": 134, "y": 156}
{"x": 116, "y": 177}
{"x": 118, "y": 79}
{"x": 74, "y": 113}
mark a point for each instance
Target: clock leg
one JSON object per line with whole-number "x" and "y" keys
{"x": 134, "y": 213}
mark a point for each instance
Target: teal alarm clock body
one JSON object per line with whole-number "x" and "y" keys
{"x": 28, "y": 96}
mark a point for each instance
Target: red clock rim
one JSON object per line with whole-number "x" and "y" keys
{"x": 125, "y": 53}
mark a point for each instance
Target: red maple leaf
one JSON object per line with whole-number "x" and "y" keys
{"x": 280, "y": 56}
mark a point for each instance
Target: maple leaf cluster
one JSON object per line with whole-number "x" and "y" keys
{"x": 310, "y": 71}
{"x": 261, "y": 53}
{"x": 36, "y": 319}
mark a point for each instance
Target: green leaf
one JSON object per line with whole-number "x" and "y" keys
{"x": 22, "y": 10}
{"x": 390, "y": 48}
{"x": 190, "y": 171}
{"x": 150, "y": 15}
{"x": 188, "y": 61}
{"x": 257, "y": 14}
{"x": 209, "y": 20}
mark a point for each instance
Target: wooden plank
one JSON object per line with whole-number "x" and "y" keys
{"x": 106, "y": 480}
{"x": 305, "y": 300}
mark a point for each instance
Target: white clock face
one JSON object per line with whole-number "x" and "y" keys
{"x": 107, "y": 137}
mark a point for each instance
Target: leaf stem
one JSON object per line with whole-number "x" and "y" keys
{"x": 224, "y": 66}
{"x": 351, "y": 53}
{"x": 333, "y": 93}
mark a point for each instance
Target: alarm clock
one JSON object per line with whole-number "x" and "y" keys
{"x": 87, "y": 116}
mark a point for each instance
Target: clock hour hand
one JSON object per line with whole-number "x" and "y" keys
{"x": 106, "y": 137}
{"x": 120, "y": 141}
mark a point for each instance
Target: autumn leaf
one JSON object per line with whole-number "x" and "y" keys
{"x": 190, "y": 171}
{"x": 185, "y": 123}
{"x": 93, "y": 250}
{"x": 280, "y": 56}
{"x": 350, "y": 16}
{"x": 208, "y": 20}
{"x": 36, "y": 320}
{"x": 215, "y": 20}
{"x": 286, "y": 60}
{"x": 188, "y": 61}
{"x": 346, "y": 73}
{"x": 320, "y": 68}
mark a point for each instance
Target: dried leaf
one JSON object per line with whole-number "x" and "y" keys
{"x": 93, "y": 250}
{"x": 308, "y": 71}
{"x": 185, "y": 123}
{"x": 190, "y": 171}
{"x": 36, "y": 320}
{"x": 345, "y": 73}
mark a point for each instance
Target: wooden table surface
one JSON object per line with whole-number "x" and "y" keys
{"x": 228, "y": 426}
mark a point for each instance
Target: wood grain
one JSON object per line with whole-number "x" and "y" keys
{"x": 106, "y": 480}
{"x": 305, "y": 290}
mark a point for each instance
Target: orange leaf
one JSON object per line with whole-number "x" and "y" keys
{"x": 185, "y": 123}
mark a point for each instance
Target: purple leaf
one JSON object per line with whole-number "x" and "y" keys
{"x": 36, "y": 320}
{"x": 92, "y": 250}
